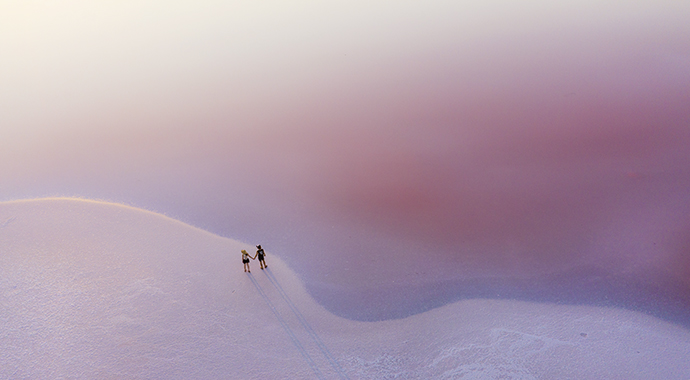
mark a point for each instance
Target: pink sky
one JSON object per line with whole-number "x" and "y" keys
{"x": 368, "y": 142}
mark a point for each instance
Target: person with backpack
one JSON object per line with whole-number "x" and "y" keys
{"x": 260, "y": 254}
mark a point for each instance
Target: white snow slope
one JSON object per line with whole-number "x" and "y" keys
{"x": 92, "y": 290}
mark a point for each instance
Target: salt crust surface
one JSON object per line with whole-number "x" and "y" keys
{"x": 96, "y": 290}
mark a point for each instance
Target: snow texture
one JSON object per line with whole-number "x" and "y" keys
{"x": 96, "y": 290}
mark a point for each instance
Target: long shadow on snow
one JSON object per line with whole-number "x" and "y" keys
{"x": 307, "y": 327}
{"x": 287, "y": 329}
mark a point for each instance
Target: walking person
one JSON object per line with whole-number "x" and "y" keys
{"x": 245, "y": 261}
{"x": 260, "y": 254}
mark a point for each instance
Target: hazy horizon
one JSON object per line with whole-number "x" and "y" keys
{"x": 443, "y": 145}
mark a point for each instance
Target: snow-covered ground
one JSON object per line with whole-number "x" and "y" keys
{"x": 92, "y": 290}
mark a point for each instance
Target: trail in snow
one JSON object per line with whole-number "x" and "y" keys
{"x": 8, "y": 221}
{"x": 322, "y": 347}
{"x": 287, "y": 329}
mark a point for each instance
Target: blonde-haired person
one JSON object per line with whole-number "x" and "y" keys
{"x": 245, "y": 261}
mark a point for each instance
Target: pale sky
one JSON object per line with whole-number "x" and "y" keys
{"x": 495, "y": 136}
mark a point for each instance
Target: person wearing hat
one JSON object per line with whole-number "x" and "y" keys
{"x": 260, "y": 254}
{"x": 245, "y": 261}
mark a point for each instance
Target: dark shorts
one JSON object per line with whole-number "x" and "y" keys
{"x": 261, "y": 257}
{"x": 245, "y": 261}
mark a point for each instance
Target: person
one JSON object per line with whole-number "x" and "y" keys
{"x": 245, "y": 261}
{"x": 260, "y": 254}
